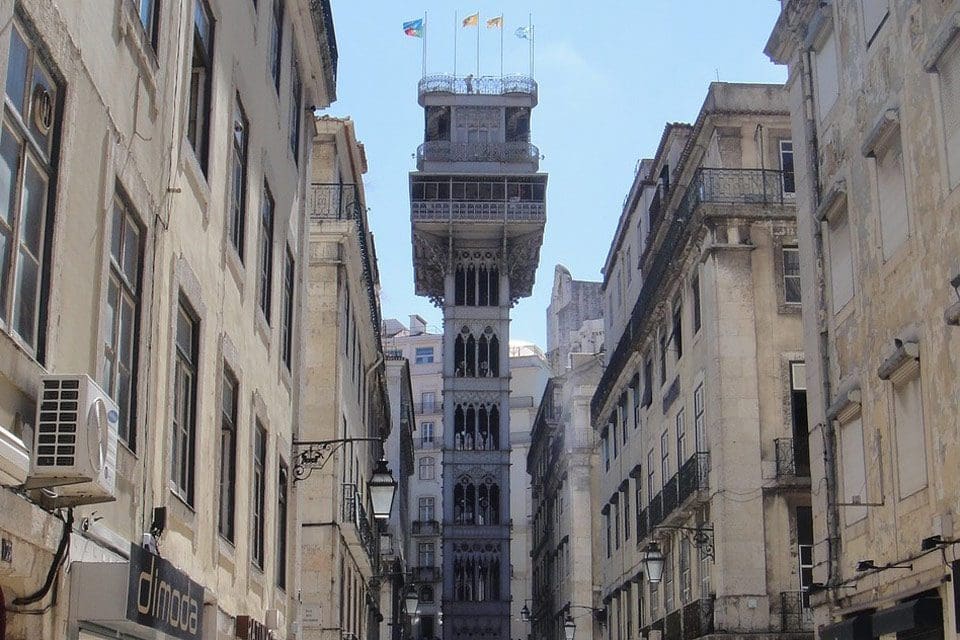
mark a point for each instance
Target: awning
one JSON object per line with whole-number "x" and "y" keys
{"x": 856, "y": 628}
{"x": 913, "y": 614}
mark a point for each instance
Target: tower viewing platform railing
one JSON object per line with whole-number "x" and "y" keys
{"x": 478, "y": 85}
{"x": 446, "y": 151}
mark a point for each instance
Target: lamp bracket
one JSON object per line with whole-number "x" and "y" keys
{"x": 317, "y": 452}
{"x": 701, "y": 537}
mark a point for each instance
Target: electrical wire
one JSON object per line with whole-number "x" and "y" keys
{"x": 52, "y": 572}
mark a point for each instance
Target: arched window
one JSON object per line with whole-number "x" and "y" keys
{"x": 460, "y": 355}
{"x": 494, "y": 356}
{"x": 483, "y": 286}
{"x": 477, "y": 575}
{"x": 471, "y": 300}
{"x": 459, "y": 286}
{"x": 476, "y": 427}
{"x": 476, "y": 285}
{"x": 476, "y": 503}
{"x": 471, "y": 357}
{"x": 483, "y": 356}
{"x": 426, "y": 594}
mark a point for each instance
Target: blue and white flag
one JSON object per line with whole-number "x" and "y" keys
{"x": 523, "y": 32}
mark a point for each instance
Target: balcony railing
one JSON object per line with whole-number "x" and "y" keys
{"x": 691, "y": 478}
{"x": 352, "y": 511}
{"x": 426, "y": 574}
{"x": 428, "y": 408}
{"x": 446, "y": 151}
{"x": 484, "y": 85}
{"x": 793, "y": 458}
{"x": 330, "y": 201}
{"x": 719, "y": 186}
{"x": 643, "y": 526}
{"x": 427, "y": 445}
{"x": 426, "y": 528}
{"x": 446, "y": 210}
{"x": 698, "y": 618}
{"x": 655, "y": 510}
{"x": 795, "y": 612}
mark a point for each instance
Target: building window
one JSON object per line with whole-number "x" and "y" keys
{"x": 686, "y": 580}
{"x": 296, "y": 109}
{"x": 664, "y": 457}
{"x": 647, "y": 382}
{"x": 615, "y": 509}
{"x": 699, "y": 420}
{"x": 281, "y": 558}
{"x": 428, "y": 401}
{"x": 426, "y": 554}
{"x": 606, "y": 449}
{"x": 908, "y": 424}
{"x": 424, "y": 355}
{"x": 664, "y": 341}
{"x": 791, "y": 274}
{"x": 841, "y": 260}
{"x": 426, "y": 509}
{"x": 874, "y": 12}
{"x": 183, "y": 454}
{"x": 948, "y": 68}
{"x": 787, "y": 177}
{"x": 607, "y": 523}
{"x": 826, "y": 73}
{"x": 695, "y": 297}
{"x": 426, "y": 433}
{"x": 853, "y": 469}
{"x": 681, "y": 438}
{"x": 651, "y": 475}
{"x": 201, "y": 67}
{"x": 426, "y": 594}
{"x": 625, "y": 498}
{"x": 121, "y": 317}
{"x": 635, "y": 396}
{"x": 27, "y": 176}
{"x": 798, "y": 414}
{"x": 286, "y": 328}
{"x": 705, "y": 564}
{"x": 892, "y": 197}
{"x": 667, "y": 580}
{"x": 678, "y": 327}
{"x": 148, "y": 11}
{"x": 265, "y": 271}
{"x": 427, "y": 469}
{"x": 805, "y": 553}
{"x": 236, "y": 223}
{"x": 228, "y": 453}
{"x": 259, "y": 493}
{"x": 276, "y": 41}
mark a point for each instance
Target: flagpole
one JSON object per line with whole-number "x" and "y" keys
{"x": 456, "y": 27}
{"x": 478, "y": 44}
{"x": 501, "y": 45}
{"x": 423, "y": 55}
{"x": 530, "y": 43}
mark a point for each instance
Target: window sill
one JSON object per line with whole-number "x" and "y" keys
{"x": 14, "y": 459}
{"x": 132, "y": 32}
{"x": 263, "y": 328}
{"x": 235, "y": 266}
{"x": 190, "y": 165}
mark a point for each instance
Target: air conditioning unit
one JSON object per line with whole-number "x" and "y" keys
{"x": 75, "y": 441}
{"x": 276, "y": 622}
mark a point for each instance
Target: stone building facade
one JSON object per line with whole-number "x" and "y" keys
{"x": 478, "y": 207}
{"x": 873, "y": 90}
{"x": 560, "y": 465}
{"x": 154, "y": 163}
{"x": 343, "y": 395}
{"x": 529, "y": 373}
{"x": 700, "y": 412}
{"x": 424, "y": 350}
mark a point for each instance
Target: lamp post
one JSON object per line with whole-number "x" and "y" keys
{"x": 383, "y": 488}
{"x": 653, "y": 562}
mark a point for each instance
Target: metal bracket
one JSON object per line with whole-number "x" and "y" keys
{"x": 701, "y": 537}
{"x": 317, "y": 453}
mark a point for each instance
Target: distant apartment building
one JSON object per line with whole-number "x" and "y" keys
{"x": 560, "y": 465}
{"x": 424, "y": 350}
{"x": 343, "y": 396}
{"x": 395, "y": 532}
{"x": 153, "y": 164}
{"x": 529, "y": 373}
{"x": 703, "y": 481}
{"x": 874, "y": 91}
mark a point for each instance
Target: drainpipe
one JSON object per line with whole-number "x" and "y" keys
{"x": 827, "y": 432}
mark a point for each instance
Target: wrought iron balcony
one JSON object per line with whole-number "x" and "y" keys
{"x": 693, "y": 475}
{"x": 426, "y": 574}
{"x": 507, "y": 152}
{"x": 426, "y": 528}
{"x": 708, "y": 186}
{"x": 428, "y": 408}
{"x": 353, "y": 511}
{"x": 795, "y": 612}
{"x": 331, "y": 201}
{"x": 643, "y": 527}
{"x": 655, "y": 510}
{"x": 698, "y": 618}
{"x": 483, "y": 85}
{"x": 427, "y": 445}
{"x": 670, "y": 495}
{"x": 793, "y": 458}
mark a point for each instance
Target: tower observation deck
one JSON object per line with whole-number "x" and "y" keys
{"x": 477, "y": 209}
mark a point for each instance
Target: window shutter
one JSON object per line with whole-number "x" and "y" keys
{"x": 949, "y": 68}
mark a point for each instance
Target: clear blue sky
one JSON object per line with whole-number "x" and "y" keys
{"x": 611, "y": 74}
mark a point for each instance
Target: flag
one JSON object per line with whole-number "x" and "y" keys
{"x": 472, "y": 21}
{"x": 414, "y": 28}
{"x": 523, "y": 32}
{"x": 495, "y": 23}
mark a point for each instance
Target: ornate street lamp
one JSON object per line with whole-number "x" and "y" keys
{"x": 525, "y": 614}
{"x": 383, "y": 488}
{"x": 653, "y": 562}
{"x": 411, "y": 601}
{"x": 569, "y": 627}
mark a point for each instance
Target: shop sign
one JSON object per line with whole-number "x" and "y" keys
{"x": 162, "y": 597}
{"x": 250, "y": 629}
